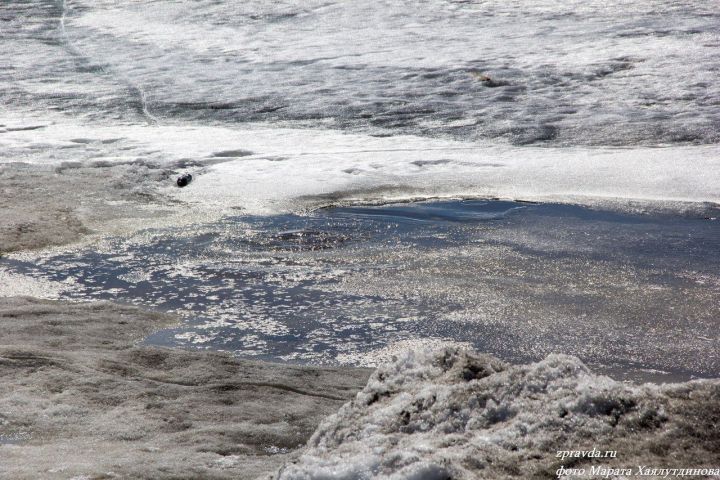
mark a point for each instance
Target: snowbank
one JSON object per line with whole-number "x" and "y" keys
{"x": 456, "y": 414}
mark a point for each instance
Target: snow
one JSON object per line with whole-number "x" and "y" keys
{"x": 284, "y": 169}
{"x": 450, "y": 413}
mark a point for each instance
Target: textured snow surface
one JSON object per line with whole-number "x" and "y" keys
{"x": 79, "y": 399}
{"x": 456, "y": 414}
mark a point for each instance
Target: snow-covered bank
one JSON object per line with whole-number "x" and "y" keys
{"x": 460, "y": 415}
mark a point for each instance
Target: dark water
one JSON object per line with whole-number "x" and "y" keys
{"x": 634, "y": 294}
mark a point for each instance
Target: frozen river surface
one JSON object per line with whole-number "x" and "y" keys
{"x": 278, "y": 108}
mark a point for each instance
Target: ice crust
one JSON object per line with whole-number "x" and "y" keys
{"x": 457, "y": 414}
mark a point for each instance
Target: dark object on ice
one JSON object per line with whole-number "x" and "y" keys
{"x": 184, "y": 179}
{"x": 488, "y": 80}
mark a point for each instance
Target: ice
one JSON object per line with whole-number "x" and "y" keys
{"x": 593, "y": 73}
{"x": 289, "y": 169}
{"x": 356, "y": 285}
{"x": 451, "y": 413}
{"x": 581, "y": 103}
{"x": 289, "y": 106}
{"x": 21, "y": 285}
{"x": 391, "y": 351}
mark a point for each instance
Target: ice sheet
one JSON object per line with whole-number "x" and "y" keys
{"x": 265, "y": 170}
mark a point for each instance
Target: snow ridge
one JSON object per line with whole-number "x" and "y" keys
{"x": 458, "y": 414}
